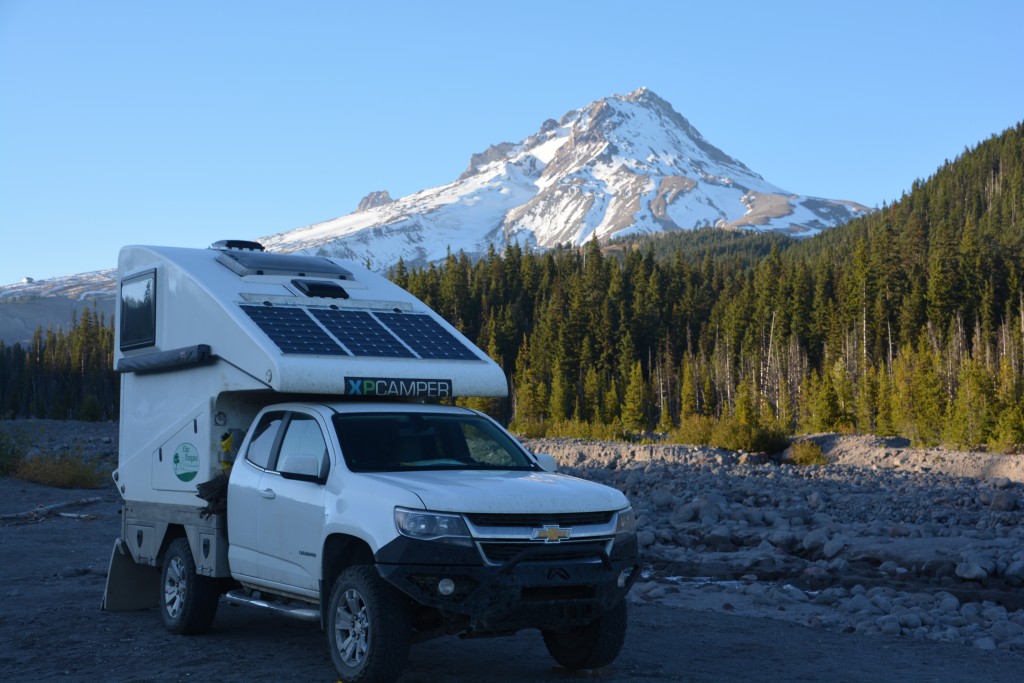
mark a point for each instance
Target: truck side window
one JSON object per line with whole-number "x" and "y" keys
{"x": 263, "y": 439}
{"x": 303, "y": 450}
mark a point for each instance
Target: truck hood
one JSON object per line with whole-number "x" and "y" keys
{"x": 504, "y": 492}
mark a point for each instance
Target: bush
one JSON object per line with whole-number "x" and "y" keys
{"x": 90, "y": 409}
{"x": 12, "y": 452}
{"x": 63, "y": 471}
{"x": 728, "y": 433}
{"x": 806, "y": 453}
{"x": 694, "y": 430}
{"x": 576, "y": 429}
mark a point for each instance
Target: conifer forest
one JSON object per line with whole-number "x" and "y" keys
{"x": 908, "y": 321}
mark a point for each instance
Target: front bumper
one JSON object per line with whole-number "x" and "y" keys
{"x": 537, "y": 588}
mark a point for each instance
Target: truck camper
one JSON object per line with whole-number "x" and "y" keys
{"x": 289, "y": 440}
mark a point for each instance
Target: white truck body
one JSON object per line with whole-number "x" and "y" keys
{"x": 315, "y": 382}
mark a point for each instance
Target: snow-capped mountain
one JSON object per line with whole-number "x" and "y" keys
{"x": 621, "y": 165}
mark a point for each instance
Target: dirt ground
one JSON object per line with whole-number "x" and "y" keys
{"x": 53, "y": 571}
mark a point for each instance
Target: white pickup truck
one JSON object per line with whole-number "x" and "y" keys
{"x": 354, "y": 497}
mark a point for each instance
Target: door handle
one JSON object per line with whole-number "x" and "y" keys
{"x": 268, "y": 493}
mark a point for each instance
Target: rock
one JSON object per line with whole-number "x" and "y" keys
{"x": 985, "y": 643}
{"x": 1015, "y": 570}
{"x": 971, "y": 571}
{"x": 888, "y": 624}
{"x": 1003, "y": 501}
{"x": 833, "y": 547}
{"x": 949, "y": 604}
{"x": 795, "y": 594}
{"x": 910, "y": 620}
{"x": 661, "y": 499}
{"x": 858, "y": 604}
{"x": 814, "y": 540}
{"x": 891, "y": 568}
{"x": 645, "y": 538}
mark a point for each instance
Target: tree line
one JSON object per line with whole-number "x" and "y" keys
{"x": 908, "y": 321}
{"x": 62, "y": 375}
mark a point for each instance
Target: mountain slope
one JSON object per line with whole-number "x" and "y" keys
{"x": 621, "y": 165}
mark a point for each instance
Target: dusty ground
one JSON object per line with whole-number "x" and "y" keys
{"x": 53, "y": 571}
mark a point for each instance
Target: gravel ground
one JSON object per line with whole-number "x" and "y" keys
{"x": 885, "y": 540}
{"x": 905, "y": 564}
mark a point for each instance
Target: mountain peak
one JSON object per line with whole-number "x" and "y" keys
{"x": 622, "y": 164}
{"x": 373, "y": 200}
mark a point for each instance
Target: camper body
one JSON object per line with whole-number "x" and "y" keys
{"x": 308, "y": 388}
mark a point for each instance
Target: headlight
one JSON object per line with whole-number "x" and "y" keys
{"x": 432, "y": 526}
{"x": 625, "y": 525}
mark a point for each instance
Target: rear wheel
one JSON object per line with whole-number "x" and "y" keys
{"x": 368, "y": 627}
{"x": 188, "y": 602}
{"x": 591, "y": 646}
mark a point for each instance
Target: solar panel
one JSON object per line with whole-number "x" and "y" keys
{"x": 361, "y": 333}
{"x": 426, "y": 337}
{"x": 293, "y": 331}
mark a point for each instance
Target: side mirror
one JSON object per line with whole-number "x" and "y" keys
{"x": 547, "y": 462}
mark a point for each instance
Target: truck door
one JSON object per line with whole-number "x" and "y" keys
{"x": 244, "y": 495}
{"x": 290, "y": 515}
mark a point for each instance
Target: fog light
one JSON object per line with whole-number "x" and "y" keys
{"x": 624, "y": 576}
{"x": 446, "y": 587}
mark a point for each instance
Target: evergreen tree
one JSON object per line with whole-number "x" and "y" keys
{"x": 635, "y": 402}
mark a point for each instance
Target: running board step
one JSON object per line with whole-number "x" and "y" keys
{"x": 301, "y": 613}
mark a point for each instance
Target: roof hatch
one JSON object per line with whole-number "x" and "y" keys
{"x": 265, "y": 263}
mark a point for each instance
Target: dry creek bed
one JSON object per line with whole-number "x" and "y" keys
{"x": 887, "y": 563}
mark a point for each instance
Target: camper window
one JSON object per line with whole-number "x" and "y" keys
{"x": 138, "y": 311}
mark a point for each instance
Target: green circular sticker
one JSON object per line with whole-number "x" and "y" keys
{"x": 186, "y": 462}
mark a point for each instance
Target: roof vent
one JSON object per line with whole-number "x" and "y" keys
{"x": 244, "y": 245}
{"x": 245, "y": 263}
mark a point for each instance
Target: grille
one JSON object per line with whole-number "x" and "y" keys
{"x": 547, "y": 593}
{"x": 498, "y": 553}
{"x": 567, "y": 519}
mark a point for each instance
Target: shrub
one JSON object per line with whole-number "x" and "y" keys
{"x": 90, "y": 409}
{"x": 694, "y": 430}
{"x": 12, "y": 451}
{"x": 576, "y": 429}
{"x": 806, "y": 453}
{"x": 69, "y": 471}
{"x": 728, "y": 433}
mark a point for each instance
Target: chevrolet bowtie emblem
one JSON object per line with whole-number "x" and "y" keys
{"x": 552, "y": 533}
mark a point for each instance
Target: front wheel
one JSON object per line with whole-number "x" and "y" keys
{"x": 188, "y": 601}
{"x": 368, "y": 627}
{"x": 591, "y": 646}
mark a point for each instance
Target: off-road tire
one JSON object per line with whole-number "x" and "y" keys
{"x": 369, "y": 627}
{"x": 188, "y": 601}
{"x": 591, "y": 646}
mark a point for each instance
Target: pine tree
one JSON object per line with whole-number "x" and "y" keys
{"x": 635, "y": 402}
{"x": 972, "y": 415}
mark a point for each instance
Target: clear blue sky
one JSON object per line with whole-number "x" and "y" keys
{"x": 186, "y": 122}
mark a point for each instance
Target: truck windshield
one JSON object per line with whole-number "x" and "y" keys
{"x": 396, "y": 442}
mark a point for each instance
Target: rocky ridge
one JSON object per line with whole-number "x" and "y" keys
{"x": 884, "y": 540}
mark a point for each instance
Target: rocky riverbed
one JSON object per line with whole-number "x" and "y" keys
{"x": 883, "y": 540}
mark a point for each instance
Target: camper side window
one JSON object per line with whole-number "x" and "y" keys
{"x": 261, "y": 446}
{"x": 138, "y": 311}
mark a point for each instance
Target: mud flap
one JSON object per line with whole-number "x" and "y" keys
{"x": 130, "y": 586}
